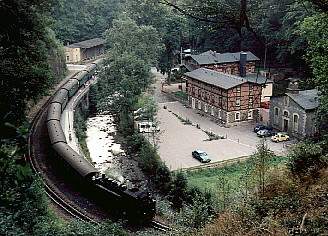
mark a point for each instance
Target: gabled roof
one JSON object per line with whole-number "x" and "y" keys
{"x": 88, "y": 43}
{"x": 211, "y": 57}
{"x": 219, "y": 79}
{"x": 307, "y": 99}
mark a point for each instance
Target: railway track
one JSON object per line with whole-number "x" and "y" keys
{"x": 53, "y": 194}
{"x": 52, "y": 190}
{"x": 159, "y": 226}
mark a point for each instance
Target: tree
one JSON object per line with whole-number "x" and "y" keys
{"x": 306, "y": 160}
{"x": 25, "y": 43}
{"x": 315, "y": 30}
{"x": 260, "y": 160}
{"x": 127, "y": 37}
{"x": 179, "y": 190}
{"x": 74, "y": 23}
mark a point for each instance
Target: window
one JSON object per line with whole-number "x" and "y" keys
{"x": 250, "y": 114}
{"x": 250, "y": 102}
{"x": 238, "y": 102}
{"x": 220, "y": 101}
{"x": 237, "y": 116}
{"x": 212, "y": 110}
{"x": 199, "y": 105}
{"x": 276, "y": 115}
{"x": 206, "y": 108}
{"x": 251, "y": 89}
{"x": 286, "y": 113}
{"x": 238, "y": 89}
{"x": 220, "y": 114}
{"x": 286, "y": 101}
{"x": 67, "y": 58}
{"x": 295, "y": 122}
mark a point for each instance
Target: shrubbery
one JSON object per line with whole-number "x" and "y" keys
{"x": 306, "y": 160}
{"x": 197, "y": 205}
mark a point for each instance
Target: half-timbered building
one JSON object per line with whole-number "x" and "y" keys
{"x": 228, "y": 63}
{"x": 227, "y": 98}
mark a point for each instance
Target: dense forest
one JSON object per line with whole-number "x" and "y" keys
{"x": 143, "y": 33}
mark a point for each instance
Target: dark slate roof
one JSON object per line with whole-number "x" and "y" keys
{"x": 211, "y": 57}
{"x": 189, "y": 67}
{"x": 259, "y": 79}
{"x": 215, "y": 78}
{"x": 88, "y": 43}
{"x": 307, "y": 99}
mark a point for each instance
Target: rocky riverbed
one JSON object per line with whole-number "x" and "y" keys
{"x": 107, "y": 153}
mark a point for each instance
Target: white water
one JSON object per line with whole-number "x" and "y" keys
{"x": 100, "y": 141}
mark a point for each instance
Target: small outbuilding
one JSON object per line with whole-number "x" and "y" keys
{"x": 295, "y": 111}
{"x": 85, "y": 50}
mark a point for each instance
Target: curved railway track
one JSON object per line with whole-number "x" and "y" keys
{"x": 37, "y": 152}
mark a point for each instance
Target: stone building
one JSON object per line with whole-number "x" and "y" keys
{"x": 85, "y": 50}
{"x": 228, "y": 63}
{"x": 227, "y": 98}
{"x": 295, "y": 111}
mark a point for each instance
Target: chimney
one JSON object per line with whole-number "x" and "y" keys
{"x": 242, "y": 64}
{"x": 293, "y": 86}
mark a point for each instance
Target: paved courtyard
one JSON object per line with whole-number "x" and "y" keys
{"x": 177, "y": 141}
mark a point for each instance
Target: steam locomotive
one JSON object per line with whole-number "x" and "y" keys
{"x": 134, "y": 204}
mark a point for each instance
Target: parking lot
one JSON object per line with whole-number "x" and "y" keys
{"x": 177, "y": 141}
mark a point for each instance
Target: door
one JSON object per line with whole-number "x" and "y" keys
{"x": 193, "y": 103}
{"x": 285, "y": 125}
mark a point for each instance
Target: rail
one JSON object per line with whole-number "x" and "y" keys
{"x": 159, "y": 226}
{"x": 55, "y": 198}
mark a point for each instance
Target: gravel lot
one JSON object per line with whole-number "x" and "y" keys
{"x": 177, "y": 140}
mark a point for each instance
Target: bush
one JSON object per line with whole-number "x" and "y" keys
{"x": 163, "y": 178}
{"x": 179, "y": 190}
{"x": 306, "y": 161}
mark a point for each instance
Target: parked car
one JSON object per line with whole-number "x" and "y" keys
{"x": 265, "y": 133}
{"x": 280, "y": 137}
{"x": 201, "y": 156}
{"x": 259, "y": 127}
{"x": 147, "y": 127}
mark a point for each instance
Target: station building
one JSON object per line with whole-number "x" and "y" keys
{"x": 85, "y": 50}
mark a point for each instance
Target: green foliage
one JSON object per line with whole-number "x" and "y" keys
{"x": 182, "y": 95}
{"x": 80, "y": 128}
{"x": 306, "y": 160}
{"x": 80, "y": 228}
{"x": 315, "y": 30}
{"x": 25, "y": 43}
{"x": 149, "y": 159}
{"x": 126, "y": 36}
{"x": 148, "y": 107}
{"x": 261, "y": 162}
{"x": 171, "y": 27}
{"x": 179, "y": 190}
{"x": 81, "y": 20}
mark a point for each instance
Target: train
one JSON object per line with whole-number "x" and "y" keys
{"x": 136, "y": 205}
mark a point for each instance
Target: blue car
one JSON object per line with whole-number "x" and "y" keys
{"x": 259, "y": 127}
{"x": 201, "y": 156}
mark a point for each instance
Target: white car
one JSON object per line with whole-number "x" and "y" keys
{"x": 147, "y": 127}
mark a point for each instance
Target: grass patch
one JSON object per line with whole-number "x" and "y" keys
{"x": 182, "y": 95}
{"x": 228, "y": 183}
